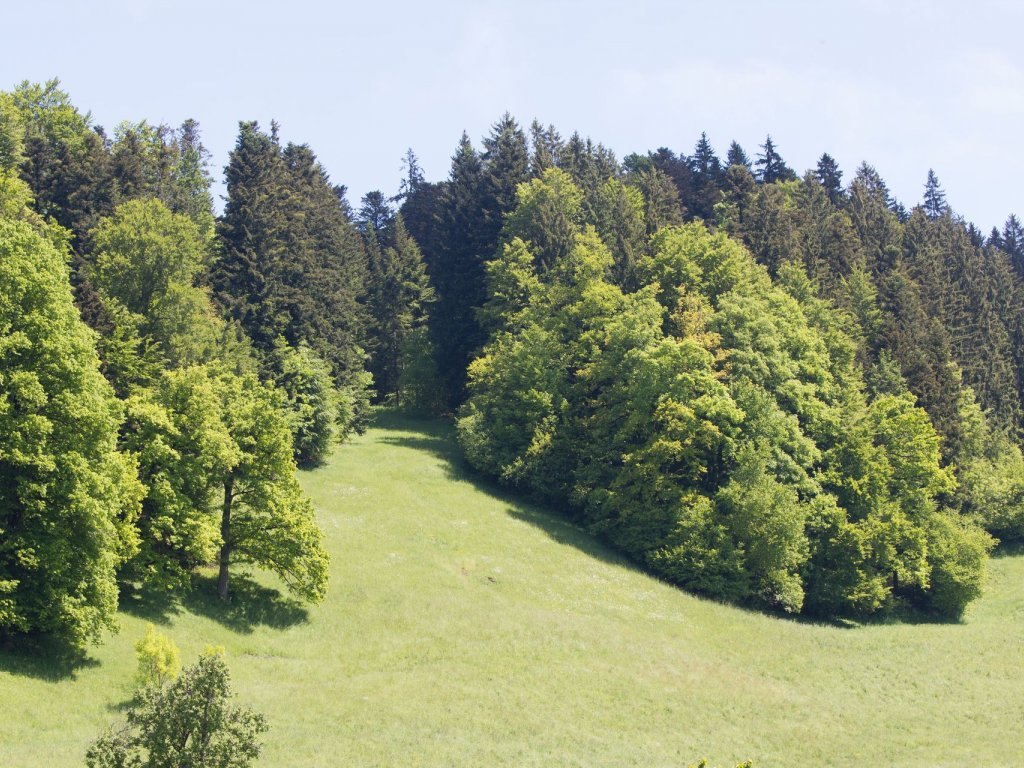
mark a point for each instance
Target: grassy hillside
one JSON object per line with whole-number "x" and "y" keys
{"x": 466, "y": 628}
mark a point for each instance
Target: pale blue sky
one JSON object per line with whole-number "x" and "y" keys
{"x": 904, "y": 85}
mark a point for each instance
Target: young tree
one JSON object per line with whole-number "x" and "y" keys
{"x": 189, "y": 722}
{"x": 399, "y": 296}
{"x": 158, "y": 658}
{"x": 305, "y": 379}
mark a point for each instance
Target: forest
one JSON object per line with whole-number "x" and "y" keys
{"x": 790, "y": 392}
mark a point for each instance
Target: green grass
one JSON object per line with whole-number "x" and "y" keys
{"x": 464, "y": 627}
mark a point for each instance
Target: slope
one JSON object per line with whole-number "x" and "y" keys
{"x": 464, "y": 627}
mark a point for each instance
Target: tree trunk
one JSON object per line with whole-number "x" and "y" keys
{"x": 225, "y": 535}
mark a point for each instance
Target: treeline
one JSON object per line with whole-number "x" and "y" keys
{"x": 770, "y": 389}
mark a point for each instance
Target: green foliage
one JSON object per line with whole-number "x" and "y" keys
{"x": 767, "y": 521}
{"x": 957, "y": 552}
{"x": 291, "y": 264}
{"x": 177, "y": 433}
{"x": 420, "y": 389}
{"x": 146, "y": 264}
{"x": 216, "y": 454}
{"x": 713, "y": 424}
{"x": 547, "y": 215}
{"x": 68, "y": 498}
{"x": 311, "y": 399}
{"x": 190, "y": 721}
{"x": 265, "y": 518}
{"x": 399, "y": 297}
{"x": 158, "y": 658}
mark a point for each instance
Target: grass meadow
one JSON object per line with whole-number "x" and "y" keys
{"x": 466, "y": 627}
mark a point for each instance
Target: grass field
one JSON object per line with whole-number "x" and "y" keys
{"x": 464, "y": 627}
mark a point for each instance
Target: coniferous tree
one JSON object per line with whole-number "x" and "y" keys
{"x": 547, "y": 148}
{"x": 830, "y": 177}
{"x": 505, "y": 165}
{"x": 292, "y": 263}
{"x": 770, "y": 165}
{"x": 736, "y": 156}
{"x": 706, "y": 170}
{"x": 456, "y": 270}
{"x": 399, "y": 296}
{"x": 1012, "y": 242}
{"x": 934, "y": 197}
{"x": 374, "y": 211}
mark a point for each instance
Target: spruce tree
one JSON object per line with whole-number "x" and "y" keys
{"x": 292, "y": 263}
{"x": 831, "y": 178}
{"x": 934, "y": 197}
{"x": 736, "y": 156}
{"x": 1012, "y": 243}
{"x": 706, "y": 170}
{"x": 770, "y": 165}
{"x": 505, "y": 165}
{"x": 456, "y": 270}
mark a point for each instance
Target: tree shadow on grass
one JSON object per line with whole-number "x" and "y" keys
{"x": 249, "y": 605}
{"x": 1009, "y": 549}
{"x": 43, "y": 658}
{"x": 156, "y": 606}
{"x": 437, "y": 437}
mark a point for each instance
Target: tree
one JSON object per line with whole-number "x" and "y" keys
{"x": 457, "y": 272}
{"x": 374, "y": 211}
{"x": 736, "y": 156}
{"x": 158, "y": 658}
{"x": 770, "y": 165}
{"x": 547, "y": 148}
{"x": 292, "y": 263}
{"x": 189, "y": 722}
{"x": 68, "y": 498}
{"x": 934, "y": 197}
{"x": 505, "y": 165}
{"x": 146, "y": 265}
{"x": 312, "y": 402}
{"x": 399, "y": 296}
{"x": 1012, "y": 243}
{"x": 662, "y": 206}
{"x": 265, "y": 519}
{"x": 176, "y": 432}
{"x": 831, "y": 177}
{"x": 707, "y": 176}
{"x": 547, "y": 217}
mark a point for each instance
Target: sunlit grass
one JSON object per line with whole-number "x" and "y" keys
{"x": 464, "y": 627}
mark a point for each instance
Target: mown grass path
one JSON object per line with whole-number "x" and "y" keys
{"x": 464, "y": 627}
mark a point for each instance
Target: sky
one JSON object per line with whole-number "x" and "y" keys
{"x": 905, "y": 85}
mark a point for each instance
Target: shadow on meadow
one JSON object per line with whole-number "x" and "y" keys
{"x": 250, "y": 604}
{"x": 437, "y": 437}
{"x": 43, "y": 658}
